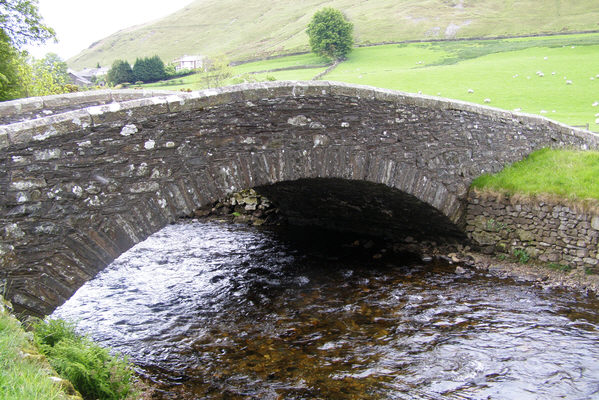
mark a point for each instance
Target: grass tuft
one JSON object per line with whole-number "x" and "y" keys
{"x": 22, "y": 373}
{"x": 92, "y": 370}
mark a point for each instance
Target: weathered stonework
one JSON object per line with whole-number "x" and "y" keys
{"x": 96, "y": 173}
{"x": 547, "y": 230}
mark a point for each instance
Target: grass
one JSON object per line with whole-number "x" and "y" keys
{"x": 503, "y": 71}
{"x": 23, "y": 375}
{"x": 559, "y": 267}
{"x": 565, "y": 173}
{"x": 507, "y": 72}
{"x": 242, "y": 30}
{"x": 92, "y": 370}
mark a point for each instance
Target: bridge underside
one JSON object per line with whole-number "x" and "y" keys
{"x": 361, "y": 207}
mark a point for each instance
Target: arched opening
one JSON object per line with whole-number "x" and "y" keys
{"x": 361, "y": 207}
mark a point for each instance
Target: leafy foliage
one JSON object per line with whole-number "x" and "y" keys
{"x": 47, "y": 76}
{"x": 22, "y": 24}
{"x": 120, "y": 72}
{"x": 11, "y": 63}
{"x": 90, "y": 368}
{"x": 216, "y": 73}
{"x": 522, "y": 256}
{"x": 330, "y": 34}
{"x": 149, "y": 69}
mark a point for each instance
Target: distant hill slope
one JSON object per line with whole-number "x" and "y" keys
{"x": 242, "y": 29}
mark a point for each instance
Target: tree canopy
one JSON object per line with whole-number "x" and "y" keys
{"x": 120, "y": 72}
{"x": 22, "y": 24}
{"x": 149, "y": 69}
{"x": 330, "y": 34}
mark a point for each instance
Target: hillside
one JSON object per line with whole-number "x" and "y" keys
{"x": 243, "y": 29}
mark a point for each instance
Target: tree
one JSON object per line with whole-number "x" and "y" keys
{"x": 22, "y": 24}
{"x": 330, "y": 34}
{"x": 140, "y": 70}
{"x": 10, "y": 70}
{"x": 148, "y": 69}
{"x": 216, "y": 73}
{"x": 156, "y": 70}
{"x": 50, "y": 76}
{"x": 120, "y": 72}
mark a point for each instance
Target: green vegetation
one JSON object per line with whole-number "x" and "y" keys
{"x": 120, "y": 72}
{"x": 23, "y": 374}
{"x": 330, "y": 34}
{"x": 559, "y": 267}
{"x": 21, "y": 75}
{"x": 530, "y": 75}
{"x": 22, "y": 24}
{"x": 90, "y": 368}
{"x": 218, "y": 27}
{"x": 572, "y": 174}
{"x": 525, "y": 74}
{"x": 521, "y": 255}
{"x": 148, "y": 69}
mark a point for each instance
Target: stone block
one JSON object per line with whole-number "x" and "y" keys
{"x": 49, "y": 127}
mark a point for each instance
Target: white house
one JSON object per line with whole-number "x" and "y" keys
{"x": 189, "y": 62}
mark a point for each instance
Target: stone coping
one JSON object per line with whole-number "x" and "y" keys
{"x": 128, "y": 105}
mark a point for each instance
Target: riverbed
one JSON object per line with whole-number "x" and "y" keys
{"x": 213, "y": 310}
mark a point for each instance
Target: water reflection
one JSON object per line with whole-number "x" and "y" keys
{"x": 216, "y": 311}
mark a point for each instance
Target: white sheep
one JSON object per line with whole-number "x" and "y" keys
{"x": 568, "y": 82}
{"x": 487, "y": 100}
{"x": 470, "y": 90}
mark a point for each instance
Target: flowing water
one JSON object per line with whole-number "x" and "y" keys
{"x": 209, "y": 310}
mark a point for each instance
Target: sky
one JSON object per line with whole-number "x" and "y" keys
{"x": 79, "y": 23}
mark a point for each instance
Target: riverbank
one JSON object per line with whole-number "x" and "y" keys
{"x": 26, "y": 374}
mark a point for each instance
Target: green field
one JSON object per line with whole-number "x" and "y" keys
{"x": 242, "y": 30}
{"x": 529, "y": 75}
{"x": 506, "y": 72}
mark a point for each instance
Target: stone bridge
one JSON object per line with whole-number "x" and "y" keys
{"x": 84, "y": 177}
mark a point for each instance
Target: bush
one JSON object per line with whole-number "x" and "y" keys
{"x": 521, "y": 255}
{"x": 92, "y": 370}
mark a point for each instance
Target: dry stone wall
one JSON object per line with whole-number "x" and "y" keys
{"x": 547, "y": 230}
{"x": 81, "y": 184}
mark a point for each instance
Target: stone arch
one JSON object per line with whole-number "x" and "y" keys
{"x": 84, "y": 177}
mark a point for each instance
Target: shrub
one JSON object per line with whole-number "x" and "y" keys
{"x": 92, "y": 370}
{"x": 521, "y": 255}
{"x": 560, "y": 267}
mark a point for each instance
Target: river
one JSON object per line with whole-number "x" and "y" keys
{"x": 219, "y": 311}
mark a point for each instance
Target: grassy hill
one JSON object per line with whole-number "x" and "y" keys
{"x": 243, "y": 29}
